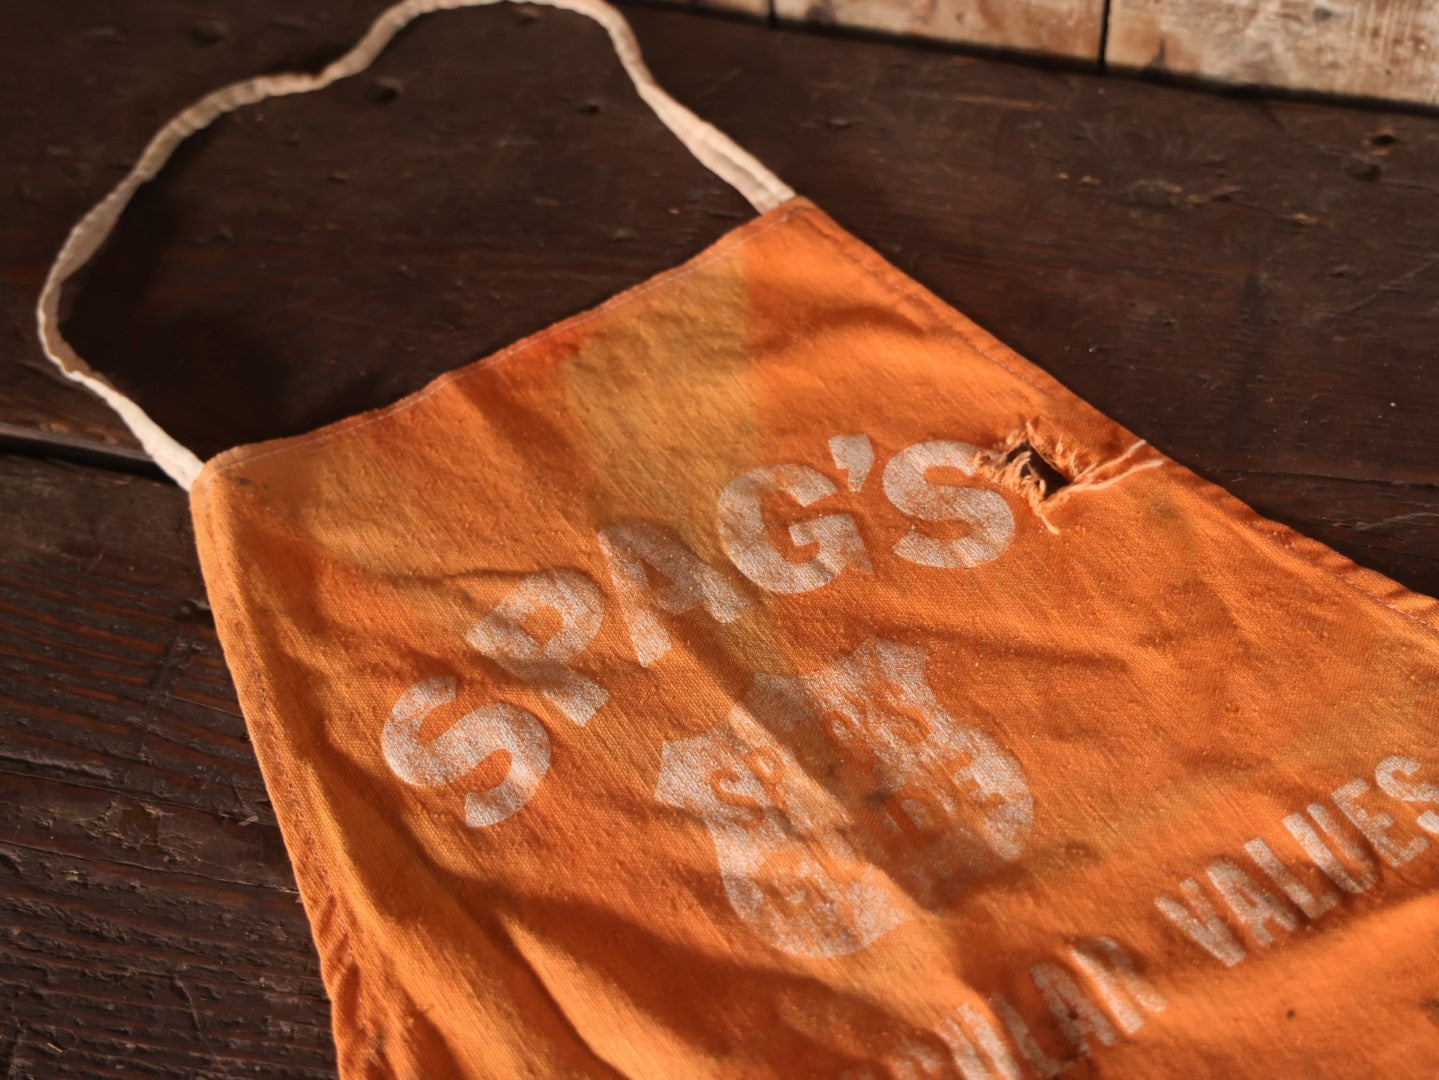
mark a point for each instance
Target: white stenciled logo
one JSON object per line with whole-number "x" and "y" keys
{"x": 838, "y": 801}
{"x": 658, "y": 577}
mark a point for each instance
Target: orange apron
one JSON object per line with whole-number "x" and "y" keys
{"x": 769, "y": 674}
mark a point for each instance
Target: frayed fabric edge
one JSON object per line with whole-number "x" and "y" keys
{"x": 1012, "y": 464}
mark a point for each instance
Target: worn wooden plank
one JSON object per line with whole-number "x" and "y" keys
{"x": 1221, "y": 275}
{"x": 83, "y": 87}
{"x": 759, "y": 9}
{"x": 1363, "y": 48}
{"x": 1248, "y": 284}
{"x": 1393, "y": 528}
{"x": 149, "y": 922}
{"x": 492, "y": 172}
{"x": 1064, "y": 28}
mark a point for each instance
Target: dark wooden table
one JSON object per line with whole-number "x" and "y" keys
{"x": 1251, "y": 285}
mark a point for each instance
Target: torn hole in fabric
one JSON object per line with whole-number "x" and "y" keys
{"x": 1047, "y": 472}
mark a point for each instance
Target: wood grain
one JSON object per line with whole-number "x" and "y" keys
{"x": 1362, "y": 48}
{"x": 1066, "y": 28}
{"x": 759, "y": 9}
{"x": 1247, "y": 283}
{"x": 149, "y": 922}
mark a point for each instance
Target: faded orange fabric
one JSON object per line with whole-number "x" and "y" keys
{"x": 708, "y": 687}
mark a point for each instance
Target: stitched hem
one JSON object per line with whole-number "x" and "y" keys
{"x": 946, "y": 318}
{"x": 330, "y": 926}
{"x": 1385, "y": 591}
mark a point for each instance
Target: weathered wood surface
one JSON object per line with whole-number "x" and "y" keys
{"x": 759, "y": 9}
{"x": 1362, "y": 48}
{"x": 1250, "y": 285}
{"x": 1379, "y": 49}
{"x": 149, "y": 922}
{"x": 1067, "y": 28}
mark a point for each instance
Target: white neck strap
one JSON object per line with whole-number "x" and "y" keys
{"x": 712, "y": 147}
